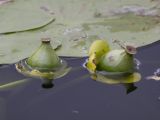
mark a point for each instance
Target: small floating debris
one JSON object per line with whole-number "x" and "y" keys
{"x": 44, "y": 64}
{"x": 76, "y": 35}
{"x": 46, "y": 9}
{"x": 130, "y": 9}
{"x": 155, "y": 76}
{"x": 75, "y": 111}
{"x": 138, "y": 63}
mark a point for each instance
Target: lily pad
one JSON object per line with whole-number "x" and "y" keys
{"x": 21, "y": 15}
{"x": 15, "y": 47}
{"x": 77, "y": 25}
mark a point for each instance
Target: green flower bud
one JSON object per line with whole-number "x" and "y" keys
{"x": 44, "y": 58}
{"x": 116, "y": 61}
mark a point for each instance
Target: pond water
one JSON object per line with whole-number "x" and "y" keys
{"x": 77, "y": 97}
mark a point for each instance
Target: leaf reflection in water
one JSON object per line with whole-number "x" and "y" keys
{"x": 62, "y": 87}
{"x": 4, "y": 66}
{"x": 126, "y": 80}
{"x": 14, "y": 84}
{"x": 117, "y": 79}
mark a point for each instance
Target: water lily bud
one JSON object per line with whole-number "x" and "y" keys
{"x": 44, "y": 58}
{"x": 116, "y": 61}
{"x": 99, "y": 47}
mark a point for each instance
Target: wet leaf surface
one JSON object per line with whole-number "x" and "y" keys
{"x": 75, "y": 26}
{"x": 21, "y": 15}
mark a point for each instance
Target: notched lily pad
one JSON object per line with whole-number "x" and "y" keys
{"x": 83, "y": 29}
{"x": 15, "y": 47}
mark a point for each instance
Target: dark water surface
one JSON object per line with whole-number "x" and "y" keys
{"x": 77, "y": 97}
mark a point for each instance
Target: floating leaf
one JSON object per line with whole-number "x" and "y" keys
{"x": 18, "y": 46}
{"x": 135, "y": 77}
{"x": 21, "y": 15}
{"x": 76, "y": 25}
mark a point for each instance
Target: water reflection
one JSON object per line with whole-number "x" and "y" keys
{"x": 130, "y": 87}
{"x": 47, "y": 83}
{"x": 46, "y": 76}
{"x": 126, "y": 80}
{"x": 3, "y": 66}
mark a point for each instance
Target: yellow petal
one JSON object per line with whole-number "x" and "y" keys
{"x": 100, "y": 47}
{"x": 91, "y": 64}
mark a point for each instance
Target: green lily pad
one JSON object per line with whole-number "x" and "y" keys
{"x": 15, "y": 47}
{"x": 78, "y": 23}
{"x": 21, "y": 15}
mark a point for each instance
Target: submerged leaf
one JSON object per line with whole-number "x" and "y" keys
{"x": 14, "y": 84}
